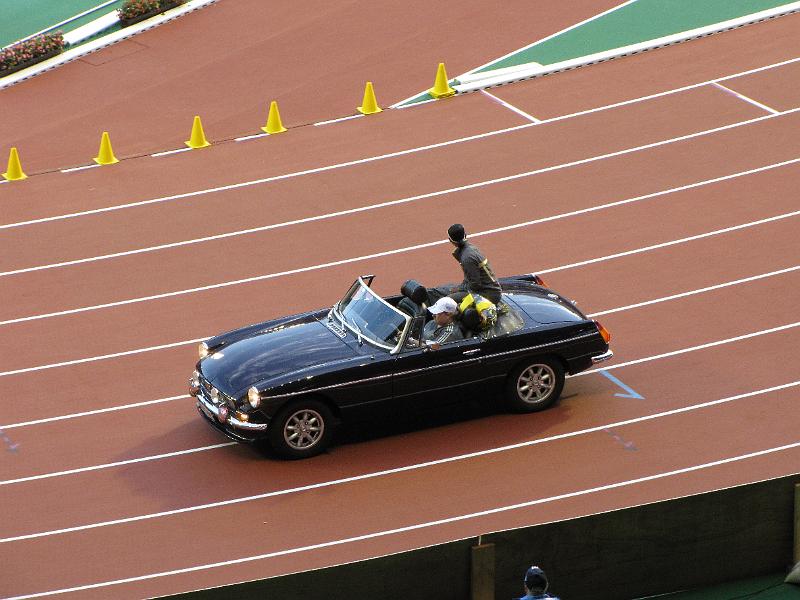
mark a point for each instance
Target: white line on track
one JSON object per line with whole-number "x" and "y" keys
{"x": 395, "y": 154}
{"x": 104, "y": 356}
{"x": 81, "y": 168}
{"x": 597, "y": 314}
{"x": 737, "y": 338}
{"x": 511, "y": 107}
{"x": 589, "y": 372}
{"x": 728, "y": 90}
{"x": 425, "y": 525}
{"x": 406, "y": 468}
{"x": 397, "y": 202}
{"x": 709, "y": 288}
{"x": 344, "y": 261}
{"x": 197, "y": 340}
{"x": 98, "y": 411}
{"x": 117, "y": 464}
{"x": 169, "y": 152}
{"x": 691, "y": 238}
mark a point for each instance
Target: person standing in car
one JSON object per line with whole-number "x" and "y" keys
{"x": 478, "y": 275}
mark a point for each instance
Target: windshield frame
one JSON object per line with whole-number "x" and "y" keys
{"x": 360, "y": 284}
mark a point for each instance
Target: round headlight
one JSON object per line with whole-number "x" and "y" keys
{"x": 215, "y": 394}
{"x": 253, "y": 397}
{"x": 202, "y": 349}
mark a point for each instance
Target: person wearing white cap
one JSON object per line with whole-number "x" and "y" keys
{"x": 442, "y": 329}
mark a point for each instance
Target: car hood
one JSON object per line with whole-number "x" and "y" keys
{"x": 268, "y": 354}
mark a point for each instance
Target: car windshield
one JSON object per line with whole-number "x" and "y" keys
{"x": 370, "y": 317}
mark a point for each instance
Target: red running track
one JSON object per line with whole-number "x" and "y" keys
{"x": 672, "y": 219}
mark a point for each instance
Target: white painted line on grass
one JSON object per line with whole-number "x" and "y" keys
{"x": 510, "y": 107}
{"x": 728, "y": 90}
{"x": 167, "y": 153}
{"x": 403, "y": 469}
{"x": 81, "y": 168}
{"x": 418, "y": 526}
{"x": 385, "y": 156}
{"x": 89, "y": 413}
{"x": 116, "y": 464}
{"x": 395, "y": 203}
{"x": 537, "y": 42}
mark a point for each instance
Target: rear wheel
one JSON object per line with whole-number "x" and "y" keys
{"x": 535, "y": 384}
{"x": 302, "y": 429}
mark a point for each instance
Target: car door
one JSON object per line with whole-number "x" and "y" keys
{"x": 425, "y": 378}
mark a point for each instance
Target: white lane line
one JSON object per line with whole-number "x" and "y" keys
{"x": 400, "y": 251}
{"x": 98, "y": 411}
{"x": 393, "y": 154}
{"x": 428, "y": 524}
{"x": 405, "y": 468}
{"x": 691, "y": 238}
{"x": 197, "y": 340}
{"x": 103, "y": 357}
{"x": 82, "y": 168}
{"x": 737, "y": 338}
{"x": 339, "y": 120}
{"x": 391, "y": 203}
{"x": 511, "y": 107}
{"x": 593, "y": 315}
{"x": 255, "y": 136}
{"x": 120, "y": 463}
{"x": 710, "y": 288}
{"x": 728, "y": 90}
{"x": 167, "y": 153}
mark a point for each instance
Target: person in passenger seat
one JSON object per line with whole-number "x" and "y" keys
{"x": 443, "y": 328}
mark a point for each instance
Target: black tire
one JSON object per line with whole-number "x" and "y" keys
{"x": 302, "y": 429}
{"x": 535, "y": 384}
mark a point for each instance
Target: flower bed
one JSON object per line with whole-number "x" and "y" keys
{"x": 134, "y": 11}
{"x": 29, "y": 52}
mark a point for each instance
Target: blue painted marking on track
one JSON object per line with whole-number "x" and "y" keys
{"x": 631, "y": 393}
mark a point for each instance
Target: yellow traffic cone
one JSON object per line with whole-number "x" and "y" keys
{"x": 106, "y": 155}
{"x": 369, "y": 105}
{"x": 198, "y": 139}
{"x": 440, "y": 88}
{"x": 14, "y": 171}
{"x": 274, "y": 124}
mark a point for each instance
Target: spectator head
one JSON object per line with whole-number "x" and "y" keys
{"x": 444, "y": 310}
{"x": 535, "y": 580}
{"x": 456, "y": 234}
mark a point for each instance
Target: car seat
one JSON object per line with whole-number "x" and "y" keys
{"x": 415, "y": 298}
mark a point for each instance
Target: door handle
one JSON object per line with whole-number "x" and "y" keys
{"x": 475, "y": 351}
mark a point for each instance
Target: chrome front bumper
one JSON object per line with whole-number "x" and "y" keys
{"x": 226, "y": 416}
{"x": 602, "y": 357}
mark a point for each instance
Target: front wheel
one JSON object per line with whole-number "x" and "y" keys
{"x": 302, "y": 429}
{"x": 535, "y": 385}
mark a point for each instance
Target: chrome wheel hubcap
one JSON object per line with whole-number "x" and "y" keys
{"x": 303, "y": 429}
{"x": 536, "y": 383}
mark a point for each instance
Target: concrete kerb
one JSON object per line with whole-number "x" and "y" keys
{"x": 107, "y": 40}
{"x": 471, "y": 81}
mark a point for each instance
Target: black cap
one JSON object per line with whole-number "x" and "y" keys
{"x": 535, "y": 579}
{"x": 456, "y": 233}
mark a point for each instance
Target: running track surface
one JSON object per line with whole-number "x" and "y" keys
{"x": 659, "y": 191}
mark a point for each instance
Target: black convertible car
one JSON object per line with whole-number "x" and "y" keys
{"x": 290, "y": 380}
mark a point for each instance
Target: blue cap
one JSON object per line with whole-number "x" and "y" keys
{"x": 535, "y": 579}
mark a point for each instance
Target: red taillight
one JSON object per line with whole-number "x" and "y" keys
{"x": 537, "y": 279}
{"x": 603, "y": 332}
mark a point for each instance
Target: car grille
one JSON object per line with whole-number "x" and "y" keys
{"x": 205, "y": 390}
